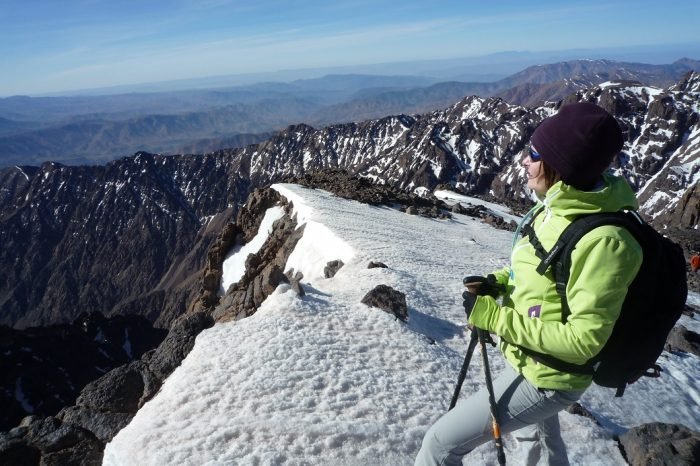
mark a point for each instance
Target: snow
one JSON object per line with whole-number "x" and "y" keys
{"x": 234, "y": 264}
{"x": 22, "y": 172}
{"x": 21, "y": 398}
{"x": 324, "y": 379}
{"x": 127, "y": 344}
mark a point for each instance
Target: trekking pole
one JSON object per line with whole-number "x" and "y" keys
{"x": 463, "y": 373}
{"x": 495, "y": 424}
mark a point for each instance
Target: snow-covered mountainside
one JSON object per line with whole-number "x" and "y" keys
{"x": 319, "y": 378}
{"x": 61, "y": 226}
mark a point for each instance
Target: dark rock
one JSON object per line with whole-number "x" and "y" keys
{"x": 389, "y": 300}
{"x": 374, "y": 265}
{"x": 252, "y": 213}
{"x": 579, "y": 410}
{"x": 103, "y": 425}
{"x": 178, "y": 343}
{"x": 295, "y": 281}
{"x": 298, "y": 289}
{"x": 661, "y": 444}
{"x": 50, "y": 441}
{"x": 263, "y": 270}
{"x": 121, "y": 390}
{"x": 682, "y": 339}
{"x": 252, "y": 262}
{"x": 14, "y": 452}
{"x": 500, "y": 223}
{"x": 458, "y": 209}
{"x": 689, "y": 311}
{"x": 332, "y": 268}
{"x": 272, "y": 276}
{"x": 211, "y": 280}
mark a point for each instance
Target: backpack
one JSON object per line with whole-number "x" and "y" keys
{"x": 654, "y": 301}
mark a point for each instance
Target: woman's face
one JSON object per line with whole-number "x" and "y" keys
{"x": 535, "y": 174}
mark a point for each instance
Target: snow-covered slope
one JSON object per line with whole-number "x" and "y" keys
{"x": 323, "y": 379}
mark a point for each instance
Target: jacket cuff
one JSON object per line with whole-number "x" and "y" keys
{"x": 483, "y": 312}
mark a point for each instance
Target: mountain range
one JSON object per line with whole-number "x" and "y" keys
{"x": 96, "y": 129}
{"x": 130, "y": 236}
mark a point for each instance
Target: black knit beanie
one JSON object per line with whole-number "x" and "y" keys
{"x": 579, "y": 143}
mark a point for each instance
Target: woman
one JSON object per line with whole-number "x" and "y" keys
{"x": 565, "y": 168}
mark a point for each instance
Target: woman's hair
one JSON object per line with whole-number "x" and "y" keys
{"x": 550, "y": 175}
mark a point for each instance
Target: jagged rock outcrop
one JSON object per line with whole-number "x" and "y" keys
{"x": 263, "y": 270}
{"x": 345, "y": 184}
{"x": 108, "y": 404}
{"x": 49, "y": 442}
{"x": 388, "y": 300}
{"x": 687, "y": 213}
{"x": 661, "y": 444}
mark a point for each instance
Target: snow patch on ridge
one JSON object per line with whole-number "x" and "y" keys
{"x": 234, "y": 264}
{"x": 318, "y": 245}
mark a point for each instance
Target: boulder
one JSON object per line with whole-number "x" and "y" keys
{"x": 375, "y": 265}
{"x": 388, "y": 300}
{"x": 332, "y": 268}
{"x": 661, "y": 444}
{"x": 579, "y": 410}
{"x": 682, "y": 339}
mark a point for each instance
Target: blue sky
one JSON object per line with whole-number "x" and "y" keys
{"x": 50, "y": 45}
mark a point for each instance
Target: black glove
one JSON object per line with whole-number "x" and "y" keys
{"x": 484, "y": 286}
{"x": 469, "y": 301}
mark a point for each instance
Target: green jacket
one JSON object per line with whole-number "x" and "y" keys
{"x": 604, "y": 264}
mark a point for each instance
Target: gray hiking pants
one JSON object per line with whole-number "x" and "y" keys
{"x": 522, "y": 407}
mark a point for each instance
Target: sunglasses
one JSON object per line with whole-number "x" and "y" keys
{"x": 534, "y": 156}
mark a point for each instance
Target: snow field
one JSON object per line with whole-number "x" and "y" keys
{"x": 323, "y": 379}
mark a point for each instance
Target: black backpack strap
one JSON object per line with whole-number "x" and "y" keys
{"x": 561, "y": 261}
{"x": 529, "y": 230}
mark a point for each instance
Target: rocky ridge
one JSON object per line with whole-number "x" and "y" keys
{"x": 78, "y": 433}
